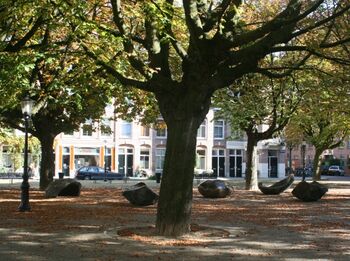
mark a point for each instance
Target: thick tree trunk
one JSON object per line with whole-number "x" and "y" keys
{"x": 251, "y": 174}
{"x": 47, "y": 163}
{"x": 175, "y": 201}
{"x": 183, "y": 110}
{"x": 317, "y": 165}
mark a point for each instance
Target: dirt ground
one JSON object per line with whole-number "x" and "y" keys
{"x": 102, "y": 225}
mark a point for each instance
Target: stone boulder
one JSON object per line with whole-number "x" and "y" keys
{"x": 214, "y": 189}
{"x": 309, "y": 191}
{"x": 63, "y": 187}
{"x": 140, "y": 195}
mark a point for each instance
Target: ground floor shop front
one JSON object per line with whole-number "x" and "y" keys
{"x": 132, "y": 160}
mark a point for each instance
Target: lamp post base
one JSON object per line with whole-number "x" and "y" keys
{"x": 24, "y": 206}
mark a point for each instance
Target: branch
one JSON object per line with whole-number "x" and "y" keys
{"x": 215, "y": 15}
{"x": 285, "y": 18}
{"x": 322, "y": 22}
{"x": 119, "y": 21}
{"x": 193, "y": 20}
{"x": 290, "y": 70}
{"x": 123, "y": 80}
{"x": 16, "y": 47}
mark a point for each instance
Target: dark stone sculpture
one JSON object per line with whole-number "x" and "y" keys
{"x": 309, "y": 191}
{"x": 63, "y": 187}
{"x": 140, "y": 195}
{"x": 277, "y": 187}
{"x": 214, "y": 189}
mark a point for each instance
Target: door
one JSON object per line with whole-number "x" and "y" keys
{"x": 235, "y": 163}
{"x": 272, "y": 164}
{"x": 121, "y": 164}
{"x": 221, "y": 166}
{"x": 232, "y": 166}
{"x": 218, "y": 163}
{"x": 214, "y": 164}
{"x": 129, "y": 163}
{"x": 125, "y": 161}
{"x": 239, "y": 166}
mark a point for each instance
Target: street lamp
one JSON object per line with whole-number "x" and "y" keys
{"x": 303, "y": 148}
{"x": 27, "y": 105}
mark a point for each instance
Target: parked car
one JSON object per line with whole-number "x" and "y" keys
{"x": 95, "y": 173}
{"x": 335, "y": 170}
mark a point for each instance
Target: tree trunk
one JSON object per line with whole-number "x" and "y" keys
{"x": 175, "y": 201}
{"x": 317, "y": 165}
{"x": 251, "y": 175}
{"x": 47, "y": 163}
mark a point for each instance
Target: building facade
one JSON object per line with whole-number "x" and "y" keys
{"x": 130, "y": 148}
{"x": 338, "y": 156}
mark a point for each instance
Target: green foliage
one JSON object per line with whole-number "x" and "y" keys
{"x": 256, "y": 100}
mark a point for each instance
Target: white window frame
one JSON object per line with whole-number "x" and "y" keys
{"x": 160, "y": 157}
{"x": 145, "y": 158}
{"x": 222, "y": 127}
{"x": 144, "y": 129}
{"x": 87, "y": 124}
{"x": 123, "y": 134}
{"x": 202, "y": 130}
{"x": 165, "y": 130}
{"x": 200, "y": 157}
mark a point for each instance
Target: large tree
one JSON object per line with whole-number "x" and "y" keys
{"x": 64, "y": 99}
{"x": 261, "y": 107}
{"x": 38, "y": 58}
{"x": 184, "y": 53}
{"x": 323, "y": 116}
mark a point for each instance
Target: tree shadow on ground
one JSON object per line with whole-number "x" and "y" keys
{"x": 102, "y": 225}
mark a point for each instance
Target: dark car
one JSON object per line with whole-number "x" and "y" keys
{"x": 95, "y": 173}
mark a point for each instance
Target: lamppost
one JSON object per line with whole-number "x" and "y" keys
{"x": 303, "y": 148}
{"x": 27, "y": 105}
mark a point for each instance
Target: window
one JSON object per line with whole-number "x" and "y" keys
{"x": 160, "y": 155}
{"x": 144, "y": 158}
{"x": 144, "y": 131}
{"x": 125, "y": 130}
{"x": 201, "y": 133}
{"x": 161, "y": 129}
{"x": 87, "y": 128}
{"x": 218, "y": 129}
{"x": 200, "y": 161}
{"x": 105, "y": 127}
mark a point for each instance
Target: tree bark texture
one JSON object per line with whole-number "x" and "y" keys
{"x": 317, "y": 165}
{"x": 251, "y": 175}
{"x": 183, "y": 114}
{"x": 47, "y": 163}
{"x": 175, "y": 201}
